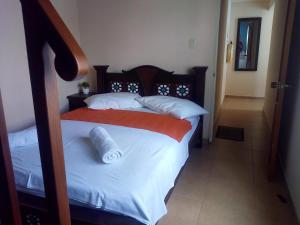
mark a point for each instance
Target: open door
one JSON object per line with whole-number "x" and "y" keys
{"x": 279, "y": 87}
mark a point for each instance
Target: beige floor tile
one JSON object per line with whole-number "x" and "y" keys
{"x": 260, "y": 158}
{"x": 258, "y": 127}
{"x": 232, "y": 193}
{"x": 193, "y": 180}
{"x": 203, "y": 155}
{"x": 261, "y": 179}
{"x": 192, "y": 185}
{"x": 267, "y": 194}
{"x": 181, "y": 211}
{"x": 243, "y": 104}
{"x": 262, "y": 143}
{"x": 200, "y": 168}
{"x": 231, "y": 170}
{"x": 233, "y": 155}
{"x": 262, "y": 134}
{"x": 242, "y": 212}
{"x": 226, "y": 183}
{"x": 217, "y": 212}
{"x": 277, "y": 213}
{"x": 222, "y": 143}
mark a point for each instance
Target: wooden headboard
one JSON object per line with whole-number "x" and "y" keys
{"x": 151, "y": 80}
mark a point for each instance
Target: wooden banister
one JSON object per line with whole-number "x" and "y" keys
{"x": 63, "y": 43}
{"x": 51, "y": 46}
{"x": 9, "y": 205}
{"x": 42, "y": 21}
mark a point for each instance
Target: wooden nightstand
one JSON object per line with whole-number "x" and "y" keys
{"x": 77, "y": 100}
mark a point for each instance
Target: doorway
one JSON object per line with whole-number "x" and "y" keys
{"x": 249, "y": 88}
{"x": 238, "y": 80}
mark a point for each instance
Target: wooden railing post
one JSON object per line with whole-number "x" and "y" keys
{"x": 51, "y": 48}
{"x": 9, "y": 205}
{"x": 200, "y": 93}
{"x": 45, "y": 99}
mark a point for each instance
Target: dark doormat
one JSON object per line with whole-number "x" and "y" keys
{"x": 230, "y": 133}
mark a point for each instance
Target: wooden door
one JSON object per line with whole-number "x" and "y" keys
{"x": 280, "y": 86}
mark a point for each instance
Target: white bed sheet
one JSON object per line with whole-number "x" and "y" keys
{"x": 136, "y": 186}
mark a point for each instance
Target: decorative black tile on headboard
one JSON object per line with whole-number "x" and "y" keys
{"x": 183, "y": 90}
{"x": 133, "y": 87}
{"x": 180, "y": 90}
{"x": 162, "y": 89}
{"x": 151, "y": 80}
{"x": 123, "y": 86}
{"x": 116, "y": 86}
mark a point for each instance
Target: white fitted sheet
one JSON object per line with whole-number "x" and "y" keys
{"x": 135, "y": 186}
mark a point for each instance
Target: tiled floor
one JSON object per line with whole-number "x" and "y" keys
{"x": 225, "y": 183}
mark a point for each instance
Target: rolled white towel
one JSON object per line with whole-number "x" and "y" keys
{"x": 107, "y": 149}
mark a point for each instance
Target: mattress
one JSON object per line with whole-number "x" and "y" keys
{"x": 135, "y": 186}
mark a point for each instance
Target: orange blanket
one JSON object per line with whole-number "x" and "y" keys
{"x": 164, "y": 124}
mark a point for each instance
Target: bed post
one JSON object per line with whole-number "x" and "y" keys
{"x": 44, "y": 32}
{"x": 200, "y": 73}
{"x": 101, "y": 76}
{"x": 9, "y": 204}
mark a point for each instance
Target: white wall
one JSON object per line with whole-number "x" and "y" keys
{"x": 224, "y": 33}
{"x": 228, "y": 40}
{"x": 14, "y": 82}
{"x": 250, "y": 84}
{"x": 14, "y": 78}
{"x": 275, "y": 57}
{"x": 68, "y": 10}
{"x": 125, "y": 34}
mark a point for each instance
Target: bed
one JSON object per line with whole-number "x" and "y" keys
{"x": 133, "y": 191}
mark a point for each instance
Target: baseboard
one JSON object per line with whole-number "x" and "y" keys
{"x": 246, "y": 97}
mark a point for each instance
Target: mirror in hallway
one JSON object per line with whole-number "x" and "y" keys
{"x": 247, "y": 44}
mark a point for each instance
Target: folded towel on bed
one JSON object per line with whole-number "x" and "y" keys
{"x": 107, "y": 149}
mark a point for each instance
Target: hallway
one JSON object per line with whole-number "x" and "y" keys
{"x": 225, "y": 182}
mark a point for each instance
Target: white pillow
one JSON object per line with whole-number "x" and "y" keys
{"x": 122, "y": 100}
{"x": 23, "y": 138}
{"x": 179, "y": 108}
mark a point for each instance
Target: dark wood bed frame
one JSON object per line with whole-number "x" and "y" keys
{"x": 148, "y": 79}
{"x": 43, "y": 25}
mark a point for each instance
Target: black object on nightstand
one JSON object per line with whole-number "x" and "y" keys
{"x": 77, "y": 100}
